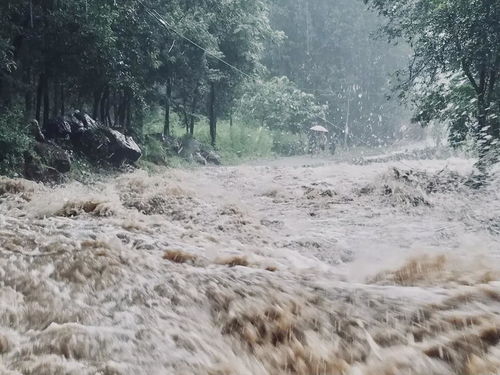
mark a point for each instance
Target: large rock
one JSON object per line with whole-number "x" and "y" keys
{"x": 57, "y": 128}
{"x": 84, "y": 120}
{"x": 189, "y": 148}
{"x": 54, "y": 156}
{"x": 211, "y": 157}
{"x": 47, "y": 162}
{"x": 102, "y": 144}
{"x": 193, "y": 150}
{"x": 93, "y": 143}
{"x": 172, "y": 144}
{"x": 36, "y": 132}
{"x": 124, "y": 148}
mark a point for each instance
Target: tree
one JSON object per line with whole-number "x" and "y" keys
{"x": 240, "y": 28}
{"x": 206, "y": 80}
{"x": 456, "y": 59}
{"x": 328, "y": 51}
{"x": 279, "y": 105}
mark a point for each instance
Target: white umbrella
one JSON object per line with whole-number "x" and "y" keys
{"x": 319, "y": 129}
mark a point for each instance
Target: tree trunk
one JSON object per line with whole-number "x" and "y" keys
{"x": 108, "y": 116}
{"x": 192, "y": 117}
{"x": 46, "y": 100}
{"x": 28, "y": 96}
{"x": 130, "y": 102}
{"x": 487, "y": 132}
{"x": 5, "y": 93}
{"x": 63, "y": 99}
{"x": 32, "y": 25}
{"x": 168, "y": 97}
{"x": 185, "y": 114}
{"x": 39, "y": 95}
{"x": 212, "y": 116}
{"x": 115, "y": 108}
{"x": 104, "y": 99}
{"x": 129, "y": 115}
{"x": 346, "y": 131}
{"x": 481, "y": 113}
{"x": 108, "y": 110}
{"x": 57, "y": 104}
{"x": 191, "y": 125}
{"x": 95, "y": 107}
{"x": 120, "y": 116}
{"x": 186, "y": 120}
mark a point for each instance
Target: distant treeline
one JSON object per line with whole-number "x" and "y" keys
{"x": 119, "y": 59}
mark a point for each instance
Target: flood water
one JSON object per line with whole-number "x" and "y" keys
{"x": 295, "y": 266}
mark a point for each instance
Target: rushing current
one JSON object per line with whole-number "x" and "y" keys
{"x": 295, "y": 266}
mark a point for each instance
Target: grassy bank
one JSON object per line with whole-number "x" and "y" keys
{"x": 235, "y": 143}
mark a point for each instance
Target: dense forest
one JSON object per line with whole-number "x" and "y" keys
{"x": 146, "y": 67}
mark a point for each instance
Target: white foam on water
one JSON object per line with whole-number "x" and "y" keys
{"x": 295, "y": 266}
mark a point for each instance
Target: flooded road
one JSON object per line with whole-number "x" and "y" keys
{"x": 296, "y": 266}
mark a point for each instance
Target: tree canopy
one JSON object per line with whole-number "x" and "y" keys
{"x": 114, "y": 59}
{"x": 455, "y": 64}
{"x": 282, "y": 64}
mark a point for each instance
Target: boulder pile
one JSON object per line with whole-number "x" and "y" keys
{"x": 78, "y": 134}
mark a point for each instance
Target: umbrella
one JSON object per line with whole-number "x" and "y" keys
{"x": 319, "y": 129}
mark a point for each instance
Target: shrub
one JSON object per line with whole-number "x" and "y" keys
{"x": 280, "y": 105}
{"x": 14, "y": 140}
{"x": 242, "y": 140}
{"x": 288, "y": 144}
{"x": 154, "y": 151}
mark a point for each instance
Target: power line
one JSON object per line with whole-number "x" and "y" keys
{"x": 164, "y": 23}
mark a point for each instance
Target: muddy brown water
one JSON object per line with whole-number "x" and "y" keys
{"x": 295, "y": 266}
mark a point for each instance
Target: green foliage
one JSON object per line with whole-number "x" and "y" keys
{"x": 122, "y": 61}
{"x": 451, "y": 101}
{"x": 243, "y": 140}
{"x": 14, "y": 140}
{"x": 239, "y": 141}
{"x": 115, "y": 58}
{"x": 455, "y": 64}
{"x": 280, "y": 106}
{"x": 289, "y": 144}
{"x": 154, "y": 151}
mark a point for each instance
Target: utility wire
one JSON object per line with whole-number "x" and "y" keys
{"x": 161, "y": 20}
